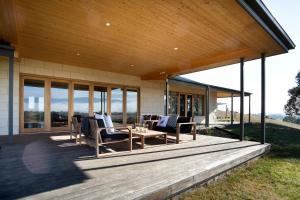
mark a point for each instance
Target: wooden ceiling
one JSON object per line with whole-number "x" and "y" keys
{"x": 141, "y": 37}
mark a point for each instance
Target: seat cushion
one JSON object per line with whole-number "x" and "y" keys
{"x": 108, "y": 123}
{"x": 186, "y": 128}
{"x": 101, "y": 124}
{"x": 144, "y": 118}
{"x": 172, "y": 121}
{"x": 162, "y": 121}
{"x": 99, "y": 116}
{"x": 85, "y": 126}
{"x": 116, "y": 136}
{"x": 164, "y": 129}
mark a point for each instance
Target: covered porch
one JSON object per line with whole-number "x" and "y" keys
{"x": 49, "y": 166}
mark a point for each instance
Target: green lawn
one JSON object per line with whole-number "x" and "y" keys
{"x": 276, "y": 176}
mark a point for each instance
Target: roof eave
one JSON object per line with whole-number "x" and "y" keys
{"x": 266, "y": 20}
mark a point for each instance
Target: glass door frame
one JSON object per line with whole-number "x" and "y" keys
{"x": 69, "y": 105}
{"x": 47, "y": 100}
{"x": 185, "y": 101}
{"x": 46, "y": 105}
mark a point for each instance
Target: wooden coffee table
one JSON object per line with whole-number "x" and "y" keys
{"x": 148, "y": 134}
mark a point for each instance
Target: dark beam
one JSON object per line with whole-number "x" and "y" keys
{"x": 167, "y": 96}
{"x": 263, "y": 99}
{"x": 207, "y": 93}
{"x": 249, "y": 118}
{"x": 242, "y": 99}
{"x": 231, "y": 116}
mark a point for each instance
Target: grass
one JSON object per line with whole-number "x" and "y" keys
{"x": 275, "y": 176}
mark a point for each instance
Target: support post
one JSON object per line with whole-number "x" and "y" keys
{"x": 231, "y": 113}
{"x": 10, "y": 98}
{"x": 242, "y": 99}
{"x": 8, "y": 52}
{"x": 207, "y": 93}
{"x": 167, "y": 96}
{"x": 249, "y": 118}
{"x": 263, "y": 99}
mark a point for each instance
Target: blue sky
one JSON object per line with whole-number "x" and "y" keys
{"x": 280, "y": 70}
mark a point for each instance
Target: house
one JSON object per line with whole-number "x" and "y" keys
{"x": 64, "y": 58}
{"x": 124, "y": 58}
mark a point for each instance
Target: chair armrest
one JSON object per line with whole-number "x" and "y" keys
{"x": 186, "y": 123}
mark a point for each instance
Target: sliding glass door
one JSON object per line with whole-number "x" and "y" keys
{"x": 117, "y": 105}
{"x": 59, "y": 104}
{"x": 34, "y": 104}
{"x": 100, "y": 99}
{"x": 81, "y": 100}
{"x": 131, "y": 106}
{"x": 189, "y": 105}
{"x": 182, "y": 105}
{"x": 48, "y": 104}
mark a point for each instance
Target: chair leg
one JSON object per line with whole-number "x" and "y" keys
{"x": 177, "y": 137}
{"x": 130, "y": 141}
{"x": 97, "y": 152}
{"x": 80, "y": 139}
{"x": 194, "y": 132}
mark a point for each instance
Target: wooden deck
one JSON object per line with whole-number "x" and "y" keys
{"x": 50, "y": 166}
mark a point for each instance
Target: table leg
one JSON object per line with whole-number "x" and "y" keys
{"x": 166, "y": 140}
{"x": 143, "y": 141}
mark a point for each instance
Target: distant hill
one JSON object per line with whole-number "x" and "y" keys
{"x": 272, "y": 118}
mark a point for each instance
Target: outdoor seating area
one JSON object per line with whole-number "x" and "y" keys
{"x": 98, "y": 130}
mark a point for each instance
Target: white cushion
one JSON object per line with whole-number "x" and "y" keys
{"x": 98, "y": 116}
{"x": 163, "y": 120}
{"x": 109, "y": 123}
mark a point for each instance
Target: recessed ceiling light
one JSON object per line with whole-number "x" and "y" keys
{"x": 77, "y": 54}
{"x": 107, "y": 24}
{"x": 176, "y": 48}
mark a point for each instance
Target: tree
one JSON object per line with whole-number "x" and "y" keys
{"x": 293, "y": 104}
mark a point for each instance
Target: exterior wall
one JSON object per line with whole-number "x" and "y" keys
{"x": 152, "y": 92}
{"x": 152, "y": 97}
{"x": 4, "y": 66}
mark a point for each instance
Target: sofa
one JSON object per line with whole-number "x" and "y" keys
{"x": 176, "y": 126}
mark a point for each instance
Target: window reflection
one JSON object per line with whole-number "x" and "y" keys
{"x": 189, "y": 101}
{"x": 59, "y": 104}
{"x": 117, "y": 105}
{"x": 198, "y": 105}
{"x": 81, "y": 100}
{"x": 34, "y": 103}
{"x": 100, "y": 99}
{"x": 182, "y": 105}
{"x": 173, "y": 102}
{"x": 131, "y": 106}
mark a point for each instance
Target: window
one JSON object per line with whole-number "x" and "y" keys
{"x": 117, "y": 105}
{"x": 100, "y": 99}
{"x": 59, "y": 104}
{"x": 81, "y": 100}
{"x": 198, "y": 105}
{"x": 173, "y": 102}
{"x": 189, "y": 101}
{"x": 34, "y": 95}
{"x": 182, "y": 105}
{"x": 131, "y": 105}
